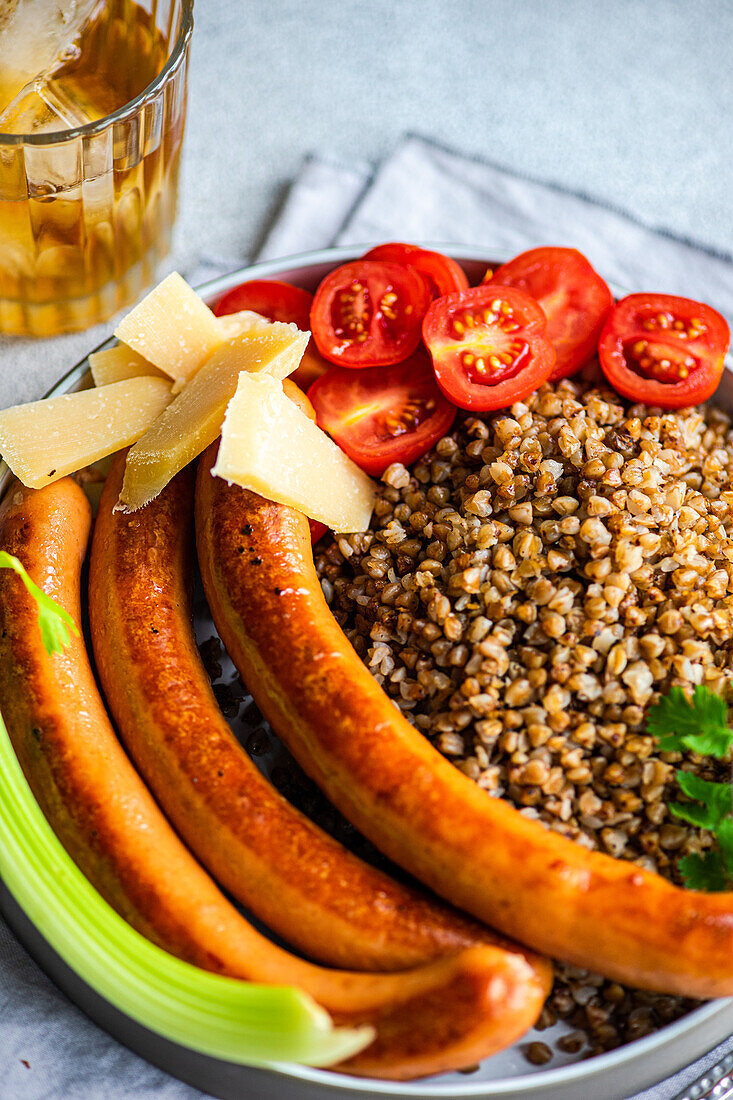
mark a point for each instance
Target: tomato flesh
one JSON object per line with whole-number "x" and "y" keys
{"x": 663, "y": 362}
{"x": 442, "y": 274}
{"x": 574, "y": 298}
{"x": 489, "y": 346}
{"x": 368, "y": 313}
{"x": 664, "y": 350}
{"x": 318, "y": 530}
{"x": 383, "y": 415}
{"x": 271, "y": 299}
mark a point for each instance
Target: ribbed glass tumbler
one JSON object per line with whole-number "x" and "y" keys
{"x": 87, "y": 212}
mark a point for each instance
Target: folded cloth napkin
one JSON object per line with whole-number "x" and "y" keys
{"x": 424, "y": 193}
{"x": 427, "y": 193}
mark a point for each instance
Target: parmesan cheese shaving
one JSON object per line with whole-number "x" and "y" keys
{"x": 270, "y": 446}
{"x": 46, "y": 440}
{"x": 194, "y": 418}
{"x": 172, "y": 328}
{"x": 118, "y": 363}
{"x": 236, "y": 324}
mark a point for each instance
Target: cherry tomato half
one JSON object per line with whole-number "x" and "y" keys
{"x": 270, "y": 298}
{"x": 664, "y": 350}
{"x": 489, "y": 346}
{"x": 383, "y": 414}
{"x": 573, "y": 296}
{"x": 368, "y": 314}
{"x": 318, "y": 530}
{"x": 443, "y": 275}
{"x": 278, "y": 302}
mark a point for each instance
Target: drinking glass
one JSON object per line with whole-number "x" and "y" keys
{"x": 87, "y": 210}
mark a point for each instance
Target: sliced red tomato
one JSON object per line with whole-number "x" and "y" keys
{"x": 489, "y": 346}
{"x": 368, "y": 314}
{"x": 275, "y": 300}
{"x": 443, "y": 275}
{"x": 383, "y": 414}
{"x": 664, "y": 350}
{"x": 573, "y": 296}
{"x": 318, "y": 530}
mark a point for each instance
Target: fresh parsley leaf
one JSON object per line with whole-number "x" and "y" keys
{"x": 716, "y": 799}
{"x": 706, "y": 872}
{"x": 699, "y": 724}
{"x": 711, "y": 809}
{"x": 54, "y": 621}
{"x": 724, "y": 836}
{"x": 694, "y": 814}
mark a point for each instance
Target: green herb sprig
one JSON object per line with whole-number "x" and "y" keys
{"x": 54, "y": 622}
{"x": 700, "y": 725}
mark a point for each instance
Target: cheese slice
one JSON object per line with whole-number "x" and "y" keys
{"x": 172, "y": 328}
{"x": 270, "y": 446}
{"x": 236, "y": 324}
{"x": 118, "y": 363}
{"x": 193, "y": 420}
{"x": 46, "y": 440}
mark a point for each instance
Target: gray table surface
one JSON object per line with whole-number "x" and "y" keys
{"x": 627, "y": 100}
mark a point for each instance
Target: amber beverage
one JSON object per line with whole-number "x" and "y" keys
{"x": 92, "y": 114}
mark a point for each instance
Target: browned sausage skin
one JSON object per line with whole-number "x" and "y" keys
{"x": 478, "y": 852}
{"x": 273, "y": 859}
{"x": 440, "y": 1016}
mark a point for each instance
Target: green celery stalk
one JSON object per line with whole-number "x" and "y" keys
{"x": 238, "y": 1021}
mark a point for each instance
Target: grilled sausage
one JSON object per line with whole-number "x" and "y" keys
{"x": 440, "y": 1016}
{"x": 478, "y": 852}
{"x": 294, "y": 877}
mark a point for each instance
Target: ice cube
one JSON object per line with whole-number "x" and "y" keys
{"x": 42, "y": 107}
{"x": 34, "y": 36}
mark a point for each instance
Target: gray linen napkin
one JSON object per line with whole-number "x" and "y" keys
{"x": 423, "y": 192}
